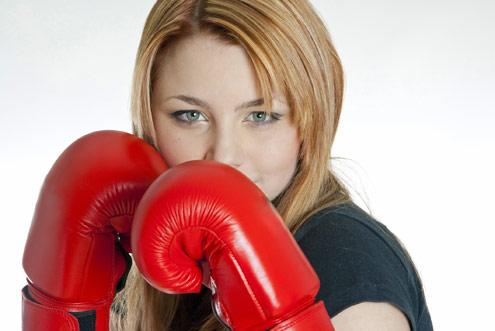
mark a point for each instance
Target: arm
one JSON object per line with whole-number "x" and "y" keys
{"x": 371, "y": 316}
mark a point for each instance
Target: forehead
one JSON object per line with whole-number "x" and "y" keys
{"x": 201, "y": 62}
{"x": 208, "y": 69}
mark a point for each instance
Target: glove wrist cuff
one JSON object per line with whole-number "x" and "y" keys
{"x": 42, "y": 313}
{"x": 38, "y": 317}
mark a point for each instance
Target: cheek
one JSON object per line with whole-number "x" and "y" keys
{"x": 175, "y": 146}
{"x": 278, "y": 158}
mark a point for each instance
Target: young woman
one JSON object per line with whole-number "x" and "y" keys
{"x": 258, "y": 85}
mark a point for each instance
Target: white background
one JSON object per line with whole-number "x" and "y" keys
{"x": 418, "y": 110}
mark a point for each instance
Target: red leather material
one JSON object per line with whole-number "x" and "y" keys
{"x": 87, "y": 201}
{"x": 43, "y": 318}
{"x": 207, "y": 211}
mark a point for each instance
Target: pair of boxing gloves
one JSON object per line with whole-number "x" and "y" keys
{"x": 110, "y": 194}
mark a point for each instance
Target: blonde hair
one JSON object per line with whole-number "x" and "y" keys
{"x": 290, "y": 50}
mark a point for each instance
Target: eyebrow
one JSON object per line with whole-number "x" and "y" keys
{"x": 198, "y": 102}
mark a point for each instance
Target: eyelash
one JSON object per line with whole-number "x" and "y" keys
{"x": 273, "y": 117}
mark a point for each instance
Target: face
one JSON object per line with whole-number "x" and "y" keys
{"x": 203, "y": 108}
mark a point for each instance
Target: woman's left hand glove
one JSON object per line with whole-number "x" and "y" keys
{"x": 207, "y": 212}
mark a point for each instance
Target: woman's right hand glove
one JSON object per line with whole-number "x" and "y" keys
{"x": 207, "y": 214}
{"x": 76, "y": 254}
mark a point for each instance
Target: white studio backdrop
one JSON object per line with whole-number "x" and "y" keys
{"x": 418, "y": 110}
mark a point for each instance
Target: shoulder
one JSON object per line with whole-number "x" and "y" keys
{"x": 348, "y": 231}
{"x": 359, "y": 262}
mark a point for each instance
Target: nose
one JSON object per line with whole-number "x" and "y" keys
{"x": 225, "y": 147}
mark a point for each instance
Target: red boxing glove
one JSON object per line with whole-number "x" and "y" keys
{"x": 204, "y": 211}
{"x": 76, "y": 254}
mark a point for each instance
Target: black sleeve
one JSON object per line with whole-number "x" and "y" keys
{"x": 355, "y": 264}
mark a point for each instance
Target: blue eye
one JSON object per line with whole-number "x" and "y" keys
{"x": 193, "y": 115}
{"x": 273, "y": 117}
{"x": 179, "y": 113}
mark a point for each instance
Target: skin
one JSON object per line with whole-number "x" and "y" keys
{"x": 371, "y": 316}
{"x": 259, "y": 146}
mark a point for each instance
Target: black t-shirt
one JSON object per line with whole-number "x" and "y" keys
{"x": 358, "y": 259}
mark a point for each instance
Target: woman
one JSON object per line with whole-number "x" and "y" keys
{"x": 258, "y": 85}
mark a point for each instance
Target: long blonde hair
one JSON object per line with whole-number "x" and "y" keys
{"x": 290, "y": 49}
